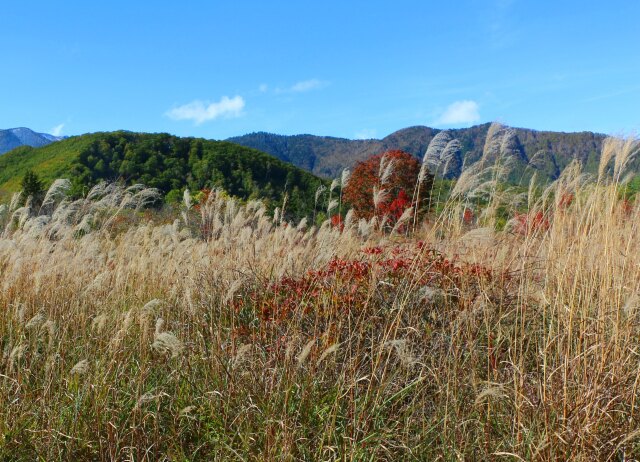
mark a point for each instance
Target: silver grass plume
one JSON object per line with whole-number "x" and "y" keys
{"x": 302, "y": 225}
{"x": 159, "y": 326}
{"x": 97, "y": 191}
{"x": 403, "y": 351}
{"x": 365, "y": 227}
{"x": 625, "y": 151}
{"x": 149, "y": 397}
{"x": 383, "y": 221}
{"x": 65, "y": 213}
{"x": 241, "y": 355}
{"x": 332, "y": 205}
{"x": 423, "y": 173}
{"x": 386, "y": 169}
{"x": 609, "y": 148}
{"x": 85, "y": 225}
{"x": 15, "y": 201}
{"x": 186, "y": 199}
{"x": 284, "y": 205}
{"x": 348, "y": 219}
{"x": 20, "y": 216}
{"x": 330, "y": 350}
{"x": 21, "y": 312}
{"x": 167, "y": 342}
{"x": 56, "y": 193}
{"x": 147, "y": 312}
{"x": 344, "y": 179}
{"x": 322, "y": 188}
{"x": 145, "y": 197}
{"x": 17, "y": 353}
{"x": 433, "y": 155}
{"x": 186, "y": 412}
{"x": 379, "y": 196}
{"x": 36, "y": 321}
{"x": 532, "y": 190}
{"x": 98, "y": 323}
{"x": 492, "y": 142}
{"x": 382, "y": 165}
{"x": 451, "y": 156}
{"x": 302, "y": 357}
{"x": 81, "y": 368}
{"x": 406, "y": 215}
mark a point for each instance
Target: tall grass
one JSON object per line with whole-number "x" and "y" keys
{"x": 226, "y": 335}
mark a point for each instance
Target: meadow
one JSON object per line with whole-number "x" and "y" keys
{"x": 217, "y": 331}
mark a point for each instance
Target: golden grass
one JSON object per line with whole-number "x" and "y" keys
{"x": 154, "y": 341}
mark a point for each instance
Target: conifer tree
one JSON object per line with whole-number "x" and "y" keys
{"x": 32, "y": 187}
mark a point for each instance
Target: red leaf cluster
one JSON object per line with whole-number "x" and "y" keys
{"x": 401, "y": 182}
{"x": 527, "y": 223}
{"x": 336, "y": 222}
{"x": 468, "y": 216}
{"x": 345, "y": 284}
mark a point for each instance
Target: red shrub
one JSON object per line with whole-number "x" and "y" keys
{"x": 399, "y": 186}
{"x": 345, "y": 285}
{"x": 396, "y": 207}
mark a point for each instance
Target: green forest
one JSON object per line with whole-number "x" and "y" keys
{"x": 168, "y": 163}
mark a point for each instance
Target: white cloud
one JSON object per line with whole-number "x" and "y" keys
{"x": 365, "y": 134}
{"x": 308, "y": 85}
{"x": 201, "y": 111}
{"x": 263, "y": 87}
{"x": 460, "y": 113}
{"x": 57, "y": 130}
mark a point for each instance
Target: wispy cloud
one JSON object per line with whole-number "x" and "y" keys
{"x": 57, "y": 130}
{"x": 365, "y": 134}
{"x": 308, "y": 85}
{"x": 263, "y": 87}
{"x": 202, "y": 111}
{"x": 303, "y": 86}
{"x": 460, "y": 113}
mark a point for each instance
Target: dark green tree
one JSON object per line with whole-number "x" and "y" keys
{"x": 32, "y": 186}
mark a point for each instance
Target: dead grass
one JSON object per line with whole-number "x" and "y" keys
{"x": 226, "y": 336}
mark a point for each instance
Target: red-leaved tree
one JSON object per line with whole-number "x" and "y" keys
{"x": 393, "y": 184}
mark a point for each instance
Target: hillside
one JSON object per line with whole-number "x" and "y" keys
{"x": 16, "y": 137}
{"x": 545, "y": 152}
{"x": 166, "y": 162}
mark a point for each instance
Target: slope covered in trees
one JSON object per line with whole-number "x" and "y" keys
{"x": 166, "y": 162}
{"x": 546, "y": 153}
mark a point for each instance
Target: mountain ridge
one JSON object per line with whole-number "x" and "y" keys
{"x": 12, "y": 138}
{"x": 545, "y": 152}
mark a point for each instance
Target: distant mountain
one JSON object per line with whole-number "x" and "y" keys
{"x": 168, "y": 163}
{"x": 546, "y": 153}
{"x": 16, "y": 137}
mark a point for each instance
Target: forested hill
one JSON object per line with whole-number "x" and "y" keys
{"x": 166, "y": 162}
{"x": 542, "y": 151}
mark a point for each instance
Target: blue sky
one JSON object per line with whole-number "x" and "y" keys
{"x": 350, "y": 69}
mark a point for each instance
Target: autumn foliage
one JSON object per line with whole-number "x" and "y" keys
{"x": 397, "y": 187}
